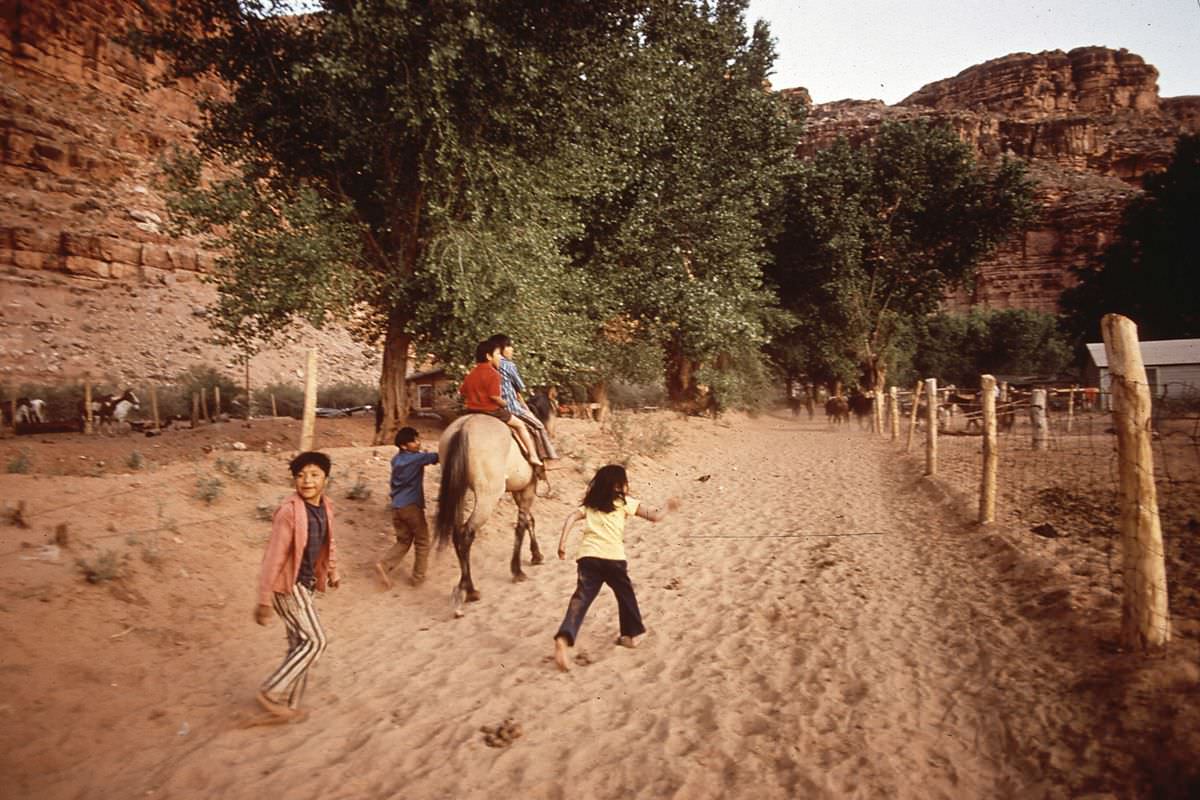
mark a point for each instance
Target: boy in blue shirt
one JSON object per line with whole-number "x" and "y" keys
{"x": 408, "y": 507}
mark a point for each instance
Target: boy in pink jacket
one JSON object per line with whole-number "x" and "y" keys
{"x": 301, "y": 559}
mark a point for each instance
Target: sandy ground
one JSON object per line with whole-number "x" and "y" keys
{"x": 823, "y": 622}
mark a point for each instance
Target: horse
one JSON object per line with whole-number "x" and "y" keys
{"x": 30, "y": 411}
{"x": 478, "y": 452}
{"x": 110, "y": 409}
{"x": 837, "y": 410}
{"x": 862, "y": 405}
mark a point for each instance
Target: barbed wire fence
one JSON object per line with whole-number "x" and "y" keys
{"x": 1122, "y": 513}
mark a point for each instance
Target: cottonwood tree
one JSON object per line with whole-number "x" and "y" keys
{"x": 388, "y": 163}
{"x": 1151, "y": 271}
{"x": 875, "y": 234}
{"x": 673, "y": 238}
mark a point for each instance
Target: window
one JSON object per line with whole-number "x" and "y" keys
{"x": 425, "y": 396}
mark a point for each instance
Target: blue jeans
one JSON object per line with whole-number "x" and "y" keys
{"x": 593, "y": 573}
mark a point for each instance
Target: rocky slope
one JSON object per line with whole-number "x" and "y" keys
{"x": 90, "y": 282}
{"x": 1090, "y": 124}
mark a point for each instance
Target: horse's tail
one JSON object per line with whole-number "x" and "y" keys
{"x": 453, "y": 487}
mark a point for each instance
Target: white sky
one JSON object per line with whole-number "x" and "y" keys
{"x": 885, "y": 49}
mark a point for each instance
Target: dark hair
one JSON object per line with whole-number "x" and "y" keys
{"x": 320, "y": 460}
{"x": 406, "y": 435}
{"x": 501, "y": 340}
{"x": 606, "y": 487}
{"x": 483, "y": 350}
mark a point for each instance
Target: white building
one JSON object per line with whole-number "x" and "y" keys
{"x": 1172, "y": 367}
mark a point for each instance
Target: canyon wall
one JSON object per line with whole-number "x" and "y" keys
{"x": 92, "y": 283}
{"x": 1088, "y": 122}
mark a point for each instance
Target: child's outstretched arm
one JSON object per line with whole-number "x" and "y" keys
{"x": 575, "y": 516}
{"x": 655, "y": 514}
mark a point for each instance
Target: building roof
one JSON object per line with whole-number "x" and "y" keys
{"x": 1159, "y": 353}
{"x": 429, "y": 373}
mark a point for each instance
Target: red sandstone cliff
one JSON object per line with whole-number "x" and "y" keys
{"x": 91, "y": 282}
{"x": 1090, "y": 124}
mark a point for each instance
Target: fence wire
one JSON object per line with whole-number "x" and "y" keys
{"x": 1067, "y": 495}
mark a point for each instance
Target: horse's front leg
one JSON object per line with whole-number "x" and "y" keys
{"x": 534, "y": 550}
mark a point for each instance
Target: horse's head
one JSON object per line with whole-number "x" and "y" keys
{"x": 130, "y": 397}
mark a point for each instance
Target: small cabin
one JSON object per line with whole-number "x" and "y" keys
{"x": 1172, "y": 367}
{"x": 432, "y": 393}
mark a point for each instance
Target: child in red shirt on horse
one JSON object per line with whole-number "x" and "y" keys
{"x": 481, "y": 395}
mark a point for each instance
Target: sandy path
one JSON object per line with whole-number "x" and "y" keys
{"x": 818, "y": 628}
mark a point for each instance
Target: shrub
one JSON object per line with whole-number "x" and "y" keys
{"x": 135, "y": 461}
{"x": 347, "y": 395}
{"x": 21, "y": 463}
{"x": 208, "y": 488}
{"x": 289, "y": 400}
{"x": 106, "y": 567}
{"x": 636, "y": 395}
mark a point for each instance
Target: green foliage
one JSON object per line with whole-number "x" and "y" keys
{"x": 175, "y": 398}
{"x": 347, "y": 395}
{"x": 958, "y": 348}
{"x": 873, "y": 236}
{"x": 1151, "y": 272}
{"x": 233, "y": 468}
{"x": 636, "y": 395}
{"x": 633, "y": 434}
{"x": 62, "y": 400}
{"x": 21, "y": 463}
{"x": 289, "y": 400}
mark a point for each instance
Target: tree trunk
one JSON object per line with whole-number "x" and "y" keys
{"x": 598, "y": 393}
{"x": 393, "y": 389}
{"x": 681, "y": 380}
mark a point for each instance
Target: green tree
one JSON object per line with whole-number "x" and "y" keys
{"x": 958, "y": 348}
{"x": 1151, "y": 272}
{"x": 673, "y": 239}
{"x": 874, "y": 235}
{"x": 394, "y": 164}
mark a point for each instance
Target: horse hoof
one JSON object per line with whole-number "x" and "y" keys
{"x": 520, "y": 577}
{"x": 537, "y": 559}
{"x": 473, "y": 596}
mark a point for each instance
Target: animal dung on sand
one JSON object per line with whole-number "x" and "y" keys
{"x": 501, "y": 735}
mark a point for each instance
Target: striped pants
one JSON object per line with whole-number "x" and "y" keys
{"x": 306, "y": 643}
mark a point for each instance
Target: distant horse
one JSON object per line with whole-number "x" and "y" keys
{"x": 861, "y": 404}
{"x": 477, "y": 452}
{"x": 110, "y": 409}
{"x": 837, "y": 410}
{"x": 30, "y": 411}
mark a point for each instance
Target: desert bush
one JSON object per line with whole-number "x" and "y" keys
{"x": 21, "y": 463}
{"x": 360, "y": 490}
{"x": 648, "y": 435}
{"x": 289, "y": 400}
{"x": 105, "y": 567}
{"x": 233, "y": 468}
{"x": 135, "y": 461}
{"x": 636, "y": 395}
{"x": 347, "y": 395}
{"x": 209, "y": 488}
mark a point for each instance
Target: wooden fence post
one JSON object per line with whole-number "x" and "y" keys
{"x": 274, "y": 408}
{"x": 1145, "y": 622}
{"x": 912, "y": 416}
{"x": 1071, "y": 409}
{"x": 87, "y": 406}
{"x": 195, "y": 410}
{"x": 249, "y": 402}
{"x": 991, "y": 458}
{"x": 308, "y": 421}
{"x": 931, "y": 400}
{"x": 154, "y": 406}
{"x": 894, "y": 407}
{"x": 877, "y": 411}
{"x": 1037, "y": 416}
{"x": 216, "y": 402}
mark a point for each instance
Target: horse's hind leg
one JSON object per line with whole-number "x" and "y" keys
{"x": 464, "y": 537}
{"x": 525, "y": 522}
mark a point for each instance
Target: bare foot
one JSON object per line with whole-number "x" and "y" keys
{"x": 627, "y": 641}
{"x": 383, "y": 576}
{"x": 560, "y": 654}
{"x": 277, "y": 709}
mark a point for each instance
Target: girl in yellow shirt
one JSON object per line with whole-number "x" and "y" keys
{"x": 601, "y": 557}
